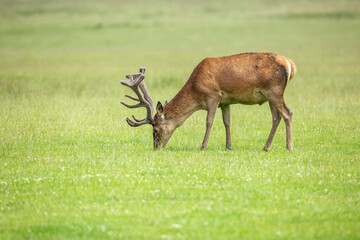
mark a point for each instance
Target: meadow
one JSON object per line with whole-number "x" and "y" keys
{"x": 71, "y": 167}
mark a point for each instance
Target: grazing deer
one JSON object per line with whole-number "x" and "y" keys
{"x": 247, "y": 78}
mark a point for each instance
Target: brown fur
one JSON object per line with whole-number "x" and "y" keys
{"x": 247, "y": 78}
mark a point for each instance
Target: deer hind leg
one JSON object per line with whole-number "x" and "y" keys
{"x": 211, "y": 105}
{"x": 276, "y": 118}
{"x": 286, "y": 113}
{"x": 226, "y": 119}
{"x": 288, "y": 122}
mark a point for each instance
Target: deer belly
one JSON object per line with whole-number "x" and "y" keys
{"x": 247, "y": 98}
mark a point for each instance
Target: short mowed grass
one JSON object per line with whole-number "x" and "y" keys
{"x": 71, "y": 168}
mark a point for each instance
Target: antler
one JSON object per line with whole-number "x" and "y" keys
{"x": 135, "y": 82}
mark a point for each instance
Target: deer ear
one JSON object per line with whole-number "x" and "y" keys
{"x": 159, "y": 107}
{"x": 166, "y": 103}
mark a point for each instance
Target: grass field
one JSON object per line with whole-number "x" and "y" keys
{"x": 71, "y": 168}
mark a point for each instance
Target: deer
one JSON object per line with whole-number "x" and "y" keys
{"x": 218, "y": 82}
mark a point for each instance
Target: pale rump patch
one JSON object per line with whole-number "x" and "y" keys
{"x": 289, "y": 69}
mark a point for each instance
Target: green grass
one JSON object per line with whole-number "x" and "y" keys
{"x": 71, "y": 168}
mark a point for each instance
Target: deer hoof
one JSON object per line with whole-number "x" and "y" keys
{"x": 266, "y": 149}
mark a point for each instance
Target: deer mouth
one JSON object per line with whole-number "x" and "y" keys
{"x": 161, "y": 144}
{"x": 158, "y": 146}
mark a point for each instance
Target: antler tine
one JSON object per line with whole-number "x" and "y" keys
{"x": 133, "y": 106}
{"x": 137, "y": 120}
{"x": 136, "y": 124}
{"x": 135, "y": 82}
{"x": 135, "y": 99}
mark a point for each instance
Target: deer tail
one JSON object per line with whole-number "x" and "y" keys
{"x": 291, "y": 69}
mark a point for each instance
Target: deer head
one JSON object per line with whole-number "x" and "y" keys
{"x": 162, "y": 127}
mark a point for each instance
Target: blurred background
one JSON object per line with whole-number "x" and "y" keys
{"x": 102, "y": 39}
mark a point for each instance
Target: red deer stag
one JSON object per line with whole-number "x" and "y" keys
{"x": 247, "y": 78}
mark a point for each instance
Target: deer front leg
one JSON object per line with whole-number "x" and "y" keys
{"x": 226, "y": 119}
{"x": 211, "y": 105}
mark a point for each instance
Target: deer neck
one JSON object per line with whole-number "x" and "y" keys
{"x": 181, "y": 107}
